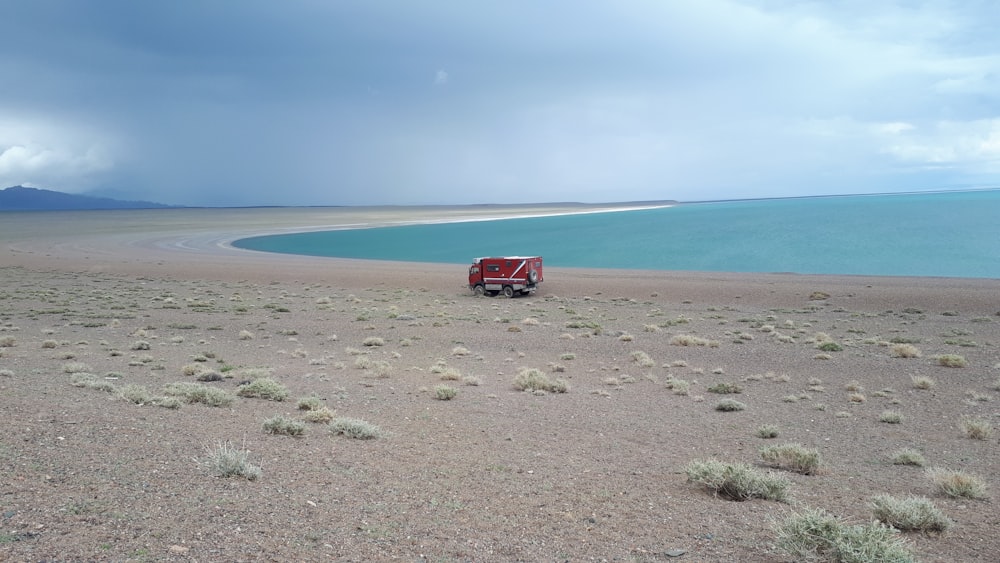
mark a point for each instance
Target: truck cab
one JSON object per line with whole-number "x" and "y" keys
{"x": 510, "y": 275}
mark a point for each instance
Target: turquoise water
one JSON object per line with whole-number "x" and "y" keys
{"x": 953, "y": 234}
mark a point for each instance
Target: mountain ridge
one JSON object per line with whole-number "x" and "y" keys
{"x": 21, "y": 198}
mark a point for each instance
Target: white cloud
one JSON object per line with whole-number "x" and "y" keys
{"x": 440, "y": 78}
{"x": 44, "y": 154}
{"x": 975, "y": 144}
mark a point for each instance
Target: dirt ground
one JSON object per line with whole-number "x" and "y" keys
{"x": 494, "y": 474}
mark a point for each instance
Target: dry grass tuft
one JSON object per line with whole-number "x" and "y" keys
{"x": 691, "y": 340}
{"x": 952, "y": 361}
{"x": 793, "y": 457}
{"x": 225, "y": 460}
{"x": 957, "y": 484}
{"x": 904, "y": 351}
{"x": 908, "y": 456}
{"x": 977, "y": 428}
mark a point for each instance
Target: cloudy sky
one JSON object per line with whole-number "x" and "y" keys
{"x": 311, "y": 102}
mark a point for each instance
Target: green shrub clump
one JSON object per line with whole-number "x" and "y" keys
{"x": 281, "y": 425}
{"x": 354, "y": 428}
{"x": 737, "y": 481}
{"x": 725, "y": 388}
{"x": 264, "y": 388}
{"x": 199, "y": 393}
{"x": 532, "y": 379}
{"x": 814, "y": 535}
{"x": 909, "y": 514}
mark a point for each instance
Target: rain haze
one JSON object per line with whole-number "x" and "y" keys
{"x": 233, "y": 103}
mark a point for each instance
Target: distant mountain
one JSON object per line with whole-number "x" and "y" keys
{"x": 20, "y": 198}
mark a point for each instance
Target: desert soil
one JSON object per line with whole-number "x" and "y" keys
{"x": 494, "y": 474}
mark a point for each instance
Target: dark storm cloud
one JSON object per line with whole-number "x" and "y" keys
{"x": 302, "y": 102}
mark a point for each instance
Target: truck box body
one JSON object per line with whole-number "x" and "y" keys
{"x": 510, "y": 275}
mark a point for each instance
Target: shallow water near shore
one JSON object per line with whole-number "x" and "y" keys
{"x": 947, "y": 234}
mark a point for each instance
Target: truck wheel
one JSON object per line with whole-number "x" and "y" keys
{"x": 533, "y": 276}
{"x": 479, "y": 291}
{"x": 508, "y": 291}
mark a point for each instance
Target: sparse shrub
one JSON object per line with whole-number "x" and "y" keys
{"x": 472, "y": 380}
{"x": 691, "y": 340}
{"x": 643, "y": 359}
{"x": 952, "y": 361}
{"x": 91, "y": 381}
{"x": 225, "y": 460}
{"x": 7, "y": 341}
{"x": 957, "y": 484}
{"x": 923, "y": 382}
{"x": 373, "y": 341}
{"x": 977, "y": 428}
{"x": 137, "y": 394}
{"x": 856, "y": 398}
{"x": 679, "y": 386}
{"x": 729, "y": 405}
{"x": 767, "y": 431}
{"x": 531, "y": 379}
{"x": 281, "y": 425}
{"x": 209, "y": 375}
{"x": 49, "y": 344}
{"x": 246, "y": 335}
{"x": 309, "y": 403}
{"x": 320, "y": 415}
{"x": 168, "y": 402}
{"x": 76, "y": 367}
{"x": 908, "y": 456}
{"x": 445, "y": 392}
{"x": 890, "y": 417}
{"x": 904, "y": 351}
{"x": 737, "y": 481}
{"x": 6, "y": 373}
{"x": 199, "y": 393}
{"x": 814, "y": 535}
{"x": 450, "y": 374}
{"x": 264, "y": 388}
{"x": 793, "y": 457}
{"x": 354, "y": 428}
{"x": 829, "y": 346}
{"x": 140, "y": 345}
{"x": 460, "y": 351}
{"x": 909, "y": 514}
{"x": 725, "y": 388}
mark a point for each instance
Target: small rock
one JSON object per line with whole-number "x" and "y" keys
{"x": 178, "y": 549}
{"x": 675, "y": 552}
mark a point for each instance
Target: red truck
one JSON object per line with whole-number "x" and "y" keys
{"x": 511, "y": 275}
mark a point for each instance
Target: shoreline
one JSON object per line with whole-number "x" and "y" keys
{"x": 196, "y": 244}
